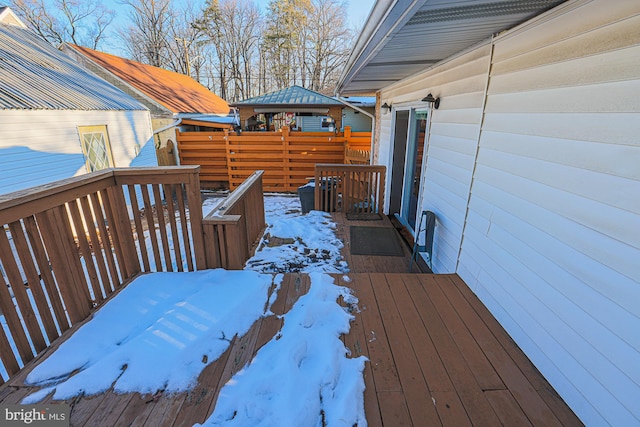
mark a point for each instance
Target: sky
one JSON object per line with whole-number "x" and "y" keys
{"x": 164, "y": 320}
{"x": 357, "y": 13}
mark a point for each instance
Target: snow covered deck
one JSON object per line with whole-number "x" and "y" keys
{"x": 437, "y": 357}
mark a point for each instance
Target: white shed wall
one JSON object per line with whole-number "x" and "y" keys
{"x": 40, "y": 146}
{"x": 552, "y": 241}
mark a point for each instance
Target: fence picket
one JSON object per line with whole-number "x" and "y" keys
{"x": 287, "y": 158}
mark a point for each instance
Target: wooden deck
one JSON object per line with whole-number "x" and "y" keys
{"x": 368, "y": 263}
{"x": 436, "y": 357}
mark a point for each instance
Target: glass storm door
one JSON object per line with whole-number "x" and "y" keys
{"x": 413, "y": 167}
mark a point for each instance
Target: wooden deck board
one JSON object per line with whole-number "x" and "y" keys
{"x": 436, "y": 357}
{"x": 413, "y": 383}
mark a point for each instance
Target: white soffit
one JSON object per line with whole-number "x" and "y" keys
{"x": 413, "y": 35}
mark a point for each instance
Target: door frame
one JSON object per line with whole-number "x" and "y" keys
{"x": 408, "y": 145}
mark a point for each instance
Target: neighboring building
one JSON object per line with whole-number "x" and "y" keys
{"x": 532, "y": 166}
{"x": 303, "y": 109}
{"x": 359, "y": 113}
{"x": 57, "y": 119}
{"x": 174, "y": 99}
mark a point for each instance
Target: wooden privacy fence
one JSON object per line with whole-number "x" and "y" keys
{"x": 287, "y": 157}
{"x": 67, "y": 246}
{"x": 235, "y": 224}
{"x": 354, "y": 189}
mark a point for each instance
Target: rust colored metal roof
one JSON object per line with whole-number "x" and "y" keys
{"x": 177, "y": 92}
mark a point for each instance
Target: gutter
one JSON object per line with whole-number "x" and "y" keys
{"x": 167, "y": 127}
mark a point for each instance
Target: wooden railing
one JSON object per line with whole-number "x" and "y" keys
{"x": 356, "y": 157}
{"x": 287, "y": 157}
{"x": 354, "y": 189}
{"x": 234, "y": 226}
{"x": 65, "y": 247}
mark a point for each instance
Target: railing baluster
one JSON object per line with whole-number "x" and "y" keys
{"x": 151, "y": 228}
{"x": 46, "y": 275}
{"x": 186, "y": 239}
{"x": 17, "y": 285}
{"x": 81, "y": 296}
{"x": 98, "y": 255}
{"x": 33, "y": 279}
{"x": 105, "y": 242}
{"x": 13, "y": 322}
{"x": 9, "y": 360}
{"x": 85, "y": 250}
{"x": 162, "y": 227}
{"x": 137, "y": 220}
{"x": 177, "y": 253}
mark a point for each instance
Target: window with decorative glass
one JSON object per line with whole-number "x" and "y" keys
{"x": 96, "y": 147}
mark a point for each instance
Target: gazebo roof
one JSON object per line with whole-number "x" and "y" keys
{"x": 292, "y": 96}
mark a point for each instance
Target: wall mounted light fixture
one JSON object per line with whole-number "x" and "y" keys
{"x": 385, "y": 108}
{"x": 430, "y": 99}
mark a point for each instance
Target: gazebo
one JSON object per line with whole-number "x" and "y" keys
{"x": 295, "y": 106}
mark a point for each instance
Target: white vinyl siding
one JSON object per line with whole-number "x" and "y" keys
{"x": 41, "y": 146}
{"x": 550, "y": 240}
{"x": 455, "y": 127}
{"x": 551, "y": 243}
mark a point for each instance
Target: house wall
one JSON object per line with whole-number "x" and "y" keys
{"x": 41, "y": 146}
{"x": 455, "y": 127}
{"x": 359, "y": 122}
{"x": 550, "y": 242}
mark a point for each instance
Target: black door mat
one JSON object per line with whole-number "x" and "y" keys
{"x": 361, "y": 216}
{"x": 377, "y": 241}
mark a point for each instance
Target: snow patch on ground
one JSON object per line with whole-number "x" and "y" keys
{"x": 302, "y": 377}
{"x": 294, "y": 242}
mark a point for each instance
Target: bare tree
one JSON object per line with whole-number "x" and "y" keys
{"x": 81, "y": 22}
{"x": 286, "y": 21}
{"x": 146, "y": 37}
{"x": 328, "y": 44}
{"x": 306, "y": 42}
{"x": 233, "y": 28}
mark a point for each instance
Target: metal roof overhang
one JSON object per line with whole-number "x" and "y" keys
{"x": 404, "y": 37}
